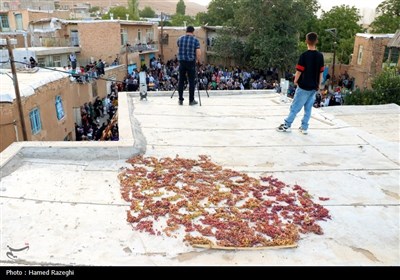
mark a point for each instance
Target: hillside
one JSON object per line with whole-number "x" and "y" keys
{"x": 169, "y": 6}
{"x": 166, "y": 6}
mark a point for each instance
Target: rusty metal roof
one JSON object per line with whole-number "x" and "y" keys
{"x": 395, "y": 41}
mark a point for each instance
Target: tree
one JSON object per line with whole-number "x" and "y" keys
{"x": 385, "y": 90}
{"x": 272, "y": 30}
{"x": 388, "y": 20}
{"x": 118, "y": 12}
{"x": 230, "y": 48}
{"x": 94, "y": 9}
{"x": 133, "y": 7}
{"x": 387, "y": 86}
{"x": 310, "y": 23}
{"x": 181, "y": 8}
{"x": 202, "y": 18}
{"x": 221, "y": 12}
{"x": 147, "y": 12}
{"x": 182, "y": 20}
{"x": 345, "y": 19}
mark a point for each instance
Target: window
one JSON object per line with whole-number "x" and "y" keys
{"x": 57, "y": 60}
{"x": 360, "y": 54}
{"x": 4, "y": 24}
{"x": 390, "y": 57}
{"x": 36, "y": 124}
{"x": 124, "y": 37}
{"x": 41, "y": 61}
{"x": 74, "y": 38}
{"x": 94, "y": 89}
{"x": 139, "y": 35}
{"x": 59, "y": 108}
{"x": 18, "y": 21}
{"x": 149, "y": 35}
{"x": 165, "y": 39}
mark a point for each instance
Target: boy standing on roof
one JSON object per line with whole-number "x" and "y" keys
{"x": 309, "y": 71}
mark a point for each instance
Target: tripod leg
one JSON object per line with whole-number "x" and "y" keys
{"x": 198, "y": 91}
{"x": 173, "y": 92}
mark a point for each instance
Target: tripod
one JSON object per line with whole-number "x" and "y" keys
{"x": 197, "y": 83}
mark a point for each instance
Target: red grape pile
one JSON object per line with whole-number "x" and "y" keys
{"x": 205, "y": 204}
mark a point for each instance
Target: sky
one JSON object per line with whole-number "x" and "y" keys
{"x": 326, "y": 4}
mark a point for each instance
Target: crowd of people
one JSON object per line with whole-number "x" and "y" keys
{"x": 100, "y": 111}
{"x": 164, "y": 77}
{"x": 85, "y": 74}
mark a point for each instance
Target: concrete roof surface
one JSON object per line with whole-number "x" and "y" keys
{"x": 64, "y": 198}
{"x": 28, "y": 82}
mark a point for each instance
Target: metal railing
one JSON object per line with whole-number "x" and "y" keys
{"x": 54, "y": 42}
{"x": 143, "y": 47}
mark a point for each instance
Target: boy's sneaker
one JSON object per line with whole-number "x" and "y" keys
{"x": 194, "y": 102}
{"x": 283, "y": 128}
{"x": 180, "y": 102}
{"x": 304, "y": 131}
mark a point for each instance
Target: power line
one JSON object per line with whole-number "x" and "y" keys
{"x": 67, "y": 72}
{"x": 111, "y": 80}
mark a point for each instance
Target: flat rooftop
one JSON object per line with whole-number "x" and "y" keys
{"x": 28, "y": 82}
{"x": 64, "y": 199}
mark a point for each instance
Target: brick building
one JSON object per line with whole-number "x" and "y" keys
{"x": 51, "y": 104}
{"x": 370, "y": 55}
{"x": 205, "y": 34}
{"x": 100, "y": 39}
{"x": 70, "y": 4}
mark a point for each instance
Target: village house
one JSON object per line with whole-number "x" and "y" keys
{"x": 132, "y": 43}
{"x": 370, "y": 56}
{"x": 51, "y": 103}
{"x": 14, "y": 21}
{"x": 206, "y": 35}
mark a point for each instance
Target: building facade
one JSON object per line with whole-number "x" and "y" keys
{"x": 15, "y": 23}
{"x": 370, "y": 56}
{"x": 132, "y": 43}
{"x": 170, "y": 36}
{"x": 51, "y": 104}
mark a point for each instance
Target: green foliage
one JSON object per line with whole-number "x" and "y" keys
{"x": 147, "y": 12}
{"x": 229, "y": 47}
{"x": 345, "y": 19}
{"x": 302, "y": 47}
{"x": 221, "y": 12}
{"x": 133, "y": 7}
{"x": 385, "y": 90}
{"x": 387, "y": 86}
{"x": 388, "y": 20}
{"x": 358, "y": 97}
{"x": 310, "y": 22}
{"x": 181, "y": 8}
{"x": 272, "y": 29}
{"x": 179, "y": 20}
{"x": 94, "y": 9}
{"x": 118, "y": 12}
{"x": 201, "y": 18}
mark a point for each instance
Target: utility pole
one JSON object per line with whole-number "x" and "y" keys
{"x": 333, "y": 31}
{"x": 126, "y": 58}
{"x": 16, "y": 88}
{"x": 162, "y": 37}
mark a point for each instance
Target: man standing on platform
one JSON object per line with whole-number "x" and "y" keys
{"x": 189, "y": 52}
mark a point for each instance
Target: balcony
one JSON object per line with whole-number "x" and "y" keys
{"x": 54, "y": 42}
{"x": 153, "y": 47}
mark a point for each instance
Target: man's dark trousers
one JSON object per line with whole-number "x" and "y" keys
{"x": 188, "y": 67}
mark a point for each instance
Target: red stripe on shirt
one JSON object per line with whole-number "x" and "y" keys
{"x": 300, "y": 68}
{"x": 322, "y": 69}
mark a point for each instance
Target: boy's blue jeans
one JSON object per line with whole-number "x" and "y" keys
{"x": 302, "y": 98}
